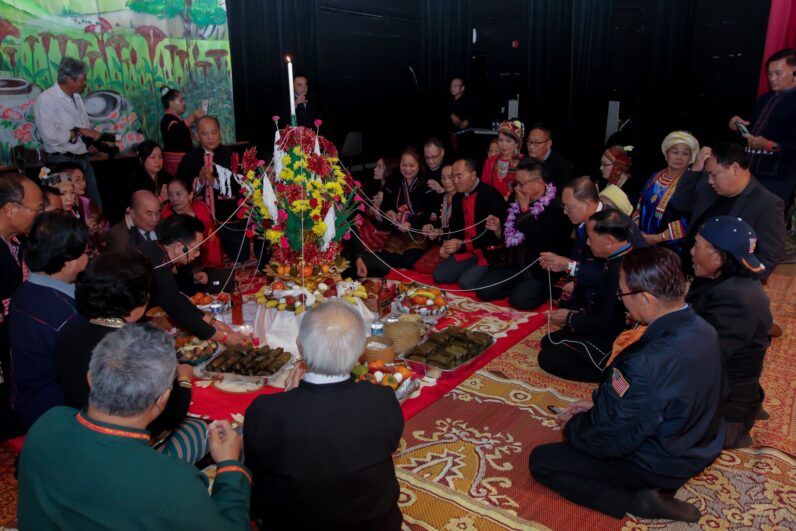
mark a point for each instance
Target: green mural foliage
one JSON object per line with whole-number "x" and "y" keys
{"x": 132, "y": 49}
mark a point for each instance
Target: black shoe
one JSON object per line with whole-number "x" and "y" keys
{"x": 649, "y": 503}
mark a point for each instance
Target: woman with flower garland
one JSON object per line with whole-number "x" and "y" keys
{"x": 408, "y": 202}
{"x": 658, "y": 221}
{"x": 499, "y": 170}
{"x": 535, "y": 223}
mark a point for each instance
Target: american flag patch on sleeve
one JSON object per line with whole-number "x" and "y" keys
{"x": 619, "y": 383}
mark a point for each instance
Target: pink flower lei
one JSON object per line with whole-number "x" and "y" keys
{"x": 511, "y": 235}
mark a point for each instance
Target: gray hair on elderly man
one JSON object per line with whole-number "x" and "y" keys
{"x": 331, "y": 338}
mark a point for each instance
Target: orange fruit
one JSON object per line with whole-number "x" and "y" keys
{"x": 206, "y": 300}
{"x": 439, "y": 301}
{"x": 223, "y": 297}
{"x": 325, "y": 268}
{"x": 278, "y": 285}
{"x": 419, "y": 299}
{"x": 307, "y": 270}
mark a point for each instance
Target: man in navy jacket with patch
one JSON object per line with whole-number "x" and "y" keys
{"x": 655, "y": 420}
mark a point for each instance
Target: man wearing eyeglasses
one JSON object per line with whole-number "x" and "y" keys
{"x": 540, "y": 147}
{"x": 20, "y": 201}
{"x": 654, "y": 422}
{"x": 580, "y": 349}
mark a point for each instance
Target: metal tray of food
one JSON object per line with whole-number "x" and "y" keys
{"x": 447, "y": 351}
{"x": 249, "y": 364}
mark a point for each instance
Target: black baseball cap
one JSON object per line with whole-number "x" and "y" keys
{"x": 734, "y": 236}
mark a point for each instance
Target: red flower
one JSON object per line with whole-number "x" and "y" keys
{"x": 153, "y": 36}
{"x": 280, "y": 188}
{"x": 249, "y": 233}
{"x": 313, "y": 202}
{"x": 241, "y": 213}
{"x": 319, "y": 165}
{"x": 234, "y": 162}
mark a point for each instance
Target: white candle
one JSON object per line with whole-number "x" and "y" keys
{"x": 290, "y": 86}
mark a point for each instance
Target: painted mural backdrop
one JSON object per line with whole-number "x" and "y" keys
{"x": 132, "y": 48}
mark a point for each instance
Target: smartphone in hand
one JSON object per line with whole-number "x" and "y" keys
{"x": 742, "y": 129}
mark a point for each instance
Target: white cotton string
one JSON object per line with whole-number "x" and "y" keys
{"x": 365, "y": 199}
{"x": 245, "y": 200}
{"x": 243, "y": 241}
{"x": 563, "y": 341}
{"x": 398, "y": 272}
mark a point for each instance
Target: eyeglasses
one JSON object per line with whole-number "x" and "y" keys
{"x": 34, "y": 210}
{"x": 537, "y": 142}
{"x": 620, "y": 295}
{"x": 523, "y": 183}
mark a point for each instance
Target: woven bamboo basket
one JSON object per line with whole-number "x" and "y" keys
{"x": 387, "y": 355}
{"x": 404, "y": 333}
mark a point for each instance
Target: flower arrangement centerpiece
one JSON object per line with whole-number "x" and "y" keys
{"x": 304, "y": 203}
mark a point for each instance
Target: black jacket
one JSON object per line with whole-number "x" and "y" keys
{"x": 658, "y": 404}
{"x": 422, "y": 197}
{"x": 166, "y": 294}
{"x": 122, "y": 238}
{"x": 604, "y": 314}
{"x": 72, "y": 356}
{"x": 321, "y": 457}
{"x": 739, "y": 310}
{"x": 488, "y": 201}
{"x": 547, "y": 233}
{"x": 755, "y": 205}
{"x": 559, "y": 170}
{"x": 590, "y": 268}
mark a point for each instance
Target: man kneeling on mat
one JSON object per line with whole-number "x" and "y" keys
{"x": 655, "y": 420}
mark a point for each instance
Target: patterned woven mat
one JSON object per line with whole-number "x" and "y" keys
{"x": 463, "y": 462}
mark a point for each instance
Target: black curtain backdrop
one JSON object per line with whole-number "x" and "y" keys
{"x": 262, "y": 33}
{"x": 383, "y": 67}
{"x": 446, "y": 30}
{"x": 567, "y": 53}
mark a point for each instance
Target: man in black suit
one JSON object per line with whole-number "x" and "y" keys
{"x": 540, "y": 147}
{"x": 321, "y": 454}
{"x": 580, "y": 349}
{"x": 654, "y": 422}
{"x": 720, "y": 184}
{"x": 139, "y": 223}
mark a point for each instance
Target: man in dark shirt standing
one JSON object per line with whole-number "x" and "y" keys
{"x": 771, "y": 141}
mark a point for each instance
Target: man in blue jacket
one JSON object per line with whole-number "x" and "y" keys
{"x": 41, "y": 308}
{"x": 655, "y": 420}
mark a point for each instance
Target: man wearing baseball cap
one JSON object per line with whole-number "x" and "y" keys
{"x": 728, "y": 294}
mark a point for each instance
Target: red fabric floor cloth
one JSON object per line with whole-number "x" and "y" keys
{"x": 217, "y": 404}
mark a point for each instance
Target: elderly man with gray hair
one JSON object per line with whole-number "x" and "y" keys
{"x": 321, "y": 454}
{"x": 94, "y": 469}
{"x": 62, "y": 122}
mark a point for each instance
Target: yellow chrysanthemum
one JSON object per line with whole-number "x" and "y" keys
{"x": 297, "y": 150}
{"x": 319, "y": 228}
{"x": 273, "y": 236}
{"x": 287, "y": 174}
{"x": 250, "y": 174}
{"x": 285, "y": 160}
{"x": 300, "y": 205}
